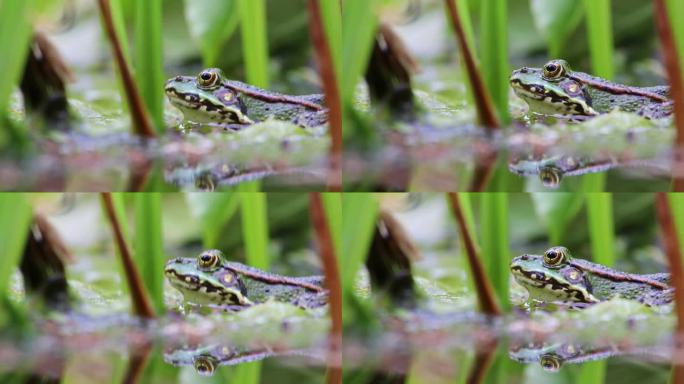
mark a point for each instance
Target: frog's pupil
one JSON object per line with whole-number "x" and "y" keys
{"x": 206, "y": 76}
{"x": 551, "y": 67}
{"x": 206, "y": 258}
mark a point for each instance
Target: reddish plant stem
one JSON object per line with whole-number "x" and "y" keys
{"x": 671, "y": 61}
{"x": 331, "y": 91}
{"x": 139, "y": 296}
{"x": 671, "y": 245}
{"x": 485, "y": 293}
{"x": 332, "y": 283}
{"x": 139, "y": 116}
{"x": 483, "y": 102}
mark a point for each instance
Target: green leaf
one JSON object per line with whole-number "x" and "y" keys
{"x": 149, "y": 71}
{"x": 149, "y": 252}
{"x": 211, "y": 24}
{"x": 213, "y": 211}
{"x": 254, "y": 41}
{"x": 255, "y": 228}
{"x": 556, "y": 209}
{"x": 14, "y": 226}
{"x": 556, "y": 20}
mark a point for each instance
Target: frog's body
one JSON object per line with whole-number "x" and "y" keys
{"x": 558, "y": 278}
{"x": 555, "y": 90}
{"x": 209, "y": 98}
{"x": 210, "y": 279}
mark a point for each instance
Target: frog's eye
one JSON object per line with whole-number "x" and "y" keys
{"x": 207, "y": 79}
{"x": 209, "y": 259}
{"x": 550, "y": 177}
{"x": 205, "y": 365}
{"x": 554, "y": 256}
{"x": 553, "y": 70}
{"x": 550, "y": 363}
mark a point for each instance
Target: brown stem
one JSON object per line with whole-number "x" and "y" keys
{"x": 483, "y": 102}
{"x": 671, "y": 245}
{"x": 332, "y": 282}
{"x": 485, "y": 293}
{"x": 483, "y": 360}
{"x": 332, "y": 94}
{"x": 674, "y": 75}
{"x": 141, "y": 302}
{"x": 137, "y": 362}
{"x": 141, "y": 120}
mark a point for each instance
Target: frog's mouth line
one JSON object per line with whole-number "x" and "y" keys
{"x": 550, "y": 99}
{"x": 197, "y": 285}
{"x": 540, "y": 280}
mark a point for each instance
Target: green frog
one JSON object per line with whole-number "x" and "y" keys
{"x": 557, "y": 277}
{"x": 210, "y": 98}
{"x": 209, "y": 279}
{"x": 555, "y": 90}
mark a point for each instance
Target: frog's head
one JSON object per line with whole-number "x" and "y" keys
{"x": 204, "y": 98}
{"x": 552, "y": 277}
{"x": 550, "y": 356}
{"x": 205, "y": 280}
{"x": 550, "y": 91}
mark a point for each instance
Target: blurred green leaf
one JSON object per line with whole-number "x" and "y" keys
{"x": 494, "y": 243}
{"x": 213, "y": 211}
{"x": 255, "y": 229}
{"x": 254, "y": 41}
{"x": 601, "y": 232}
{"x": 149, "y": 71}
{"x": 211, "y": 24}
{"x": 556, "y": 209}
{"x": 149, "y": 252}
{"x": 494, "y": 54}
{"x": 14, "y": 226}
{"x": 556, "y": 20}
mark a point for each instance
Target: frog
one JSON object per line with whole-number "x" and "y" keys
{"x": 210, "y": 279}
{"x": 211, "y": 99}
{"x": 557, "y": 278}
{"x": 557, "y": 91}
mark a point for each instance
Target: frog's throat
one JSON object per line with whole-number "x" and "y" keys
{"x": 543, "y": 281}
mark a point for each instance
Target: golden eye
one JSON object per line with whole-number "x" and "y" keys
{"x": 205, "y": 365}
{"x": 550, "y": 177}
{"x": 209, "y": 259}
{"x": 553, "y": 70}
{"x": 550, "y": 363}
{"x": 207, "y": 79}
{"x": 554, "y": 257}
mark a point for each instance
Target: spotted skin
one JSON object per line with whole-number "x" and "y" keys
{"x": 577, "y": 95}
{"x": 580, "y": 282}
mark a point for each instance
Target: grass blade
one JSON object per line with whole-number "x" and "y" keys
{"x": 494, "y": 240}
{"x": 149, "y": 71}
{"x": 113, "y": 205}
{"x": 359, "y": 23}
{"x": 327, "y": 65}
{"x": 149, "y": 253}
{"x": 600, "y": 221}
{"x": 485, "y": 293}
{"x": 213, "y": 211}
{"x": 356, "y": 239}
{"x": 211, "y": 24}
{"x": 494, "y": 52}
{"x": 254, "y": 41}
{"x": 15, "y": 38}
{"x": 14, "y": 224}
{"x": 255, "y": 229}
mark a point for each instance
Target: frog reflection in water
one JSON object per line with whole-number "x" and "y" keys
{"x": 557, "y": 277}
{"x": 555, "y": 90}
{"x": 209, "y": 279}
{"x": 207, "y": 359}
{"x": 551, "y": 170}
{"x": 209, "y": 98}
